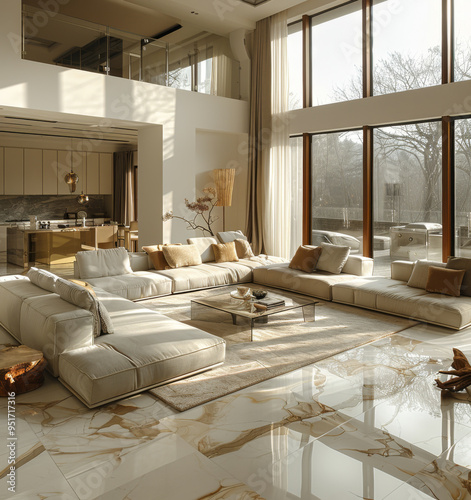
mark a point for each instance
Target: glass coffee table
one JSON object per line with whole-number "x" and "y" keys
{"x": 243, "y": 312}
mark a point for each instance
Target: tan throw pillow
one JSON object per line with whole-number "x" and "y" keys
{"x": 182, "y": 255}
{"x": 333, "y": 258}
{"x": 419, "y": 275}
{"x": 306, "y": 258}
{"x": 225, "y": 252}
{"x": 243, "y": 249}
{"x": 156, "y": 255}
{"x": 462, "y": 263}
{"x": 445, "y": 281}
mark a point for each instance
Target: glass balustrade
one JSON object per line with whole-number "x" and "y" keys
{"x": 202, "y": 64}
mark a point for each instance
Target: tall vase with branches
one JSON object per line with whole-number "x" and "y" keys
{"x": 202, "y": 208}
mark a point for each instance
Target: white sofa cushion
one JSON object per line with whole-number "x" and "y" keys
{"x": 204, "y": 246}
{"x": 228, "y": 236}
{"x": 42, "y": 278}
{"x": 98, "y": 263}
{"x": 53, "y": 326}
{"x": 135, "y": 286}
{"x": 333, "y": 258}
{"x": 13, "y": 292}
{"x": 81, "y": 297}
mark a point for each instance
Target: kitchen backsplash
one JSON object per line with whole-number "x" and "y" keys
{"x": 49, "y": 207}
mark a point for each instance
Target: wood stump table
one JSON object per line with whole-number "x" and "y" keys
{"x": 21, "y": 369}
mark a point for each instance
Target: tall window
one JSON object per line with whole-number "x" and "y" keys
{"x": 337, "y": 189}
{"x": 463, "y": 187}
{"x": 462, "y": 40}
{"x": 407, "y": 194}
{"x": 337, "y": 55}
{"x": 295, "y": 65}
{"x": 407, "y": 45}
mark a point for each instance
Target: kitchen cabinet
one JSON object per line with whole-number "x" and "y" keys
{"x": 79, "y": 164}
{"x": 64, "y": 165}
{"x": 49, "y": 171}
{"x": 33, "y": 171}
{"x": 13, "y": 171}
{"x": 106, "y": 173}
{"x": 93, "y": 173}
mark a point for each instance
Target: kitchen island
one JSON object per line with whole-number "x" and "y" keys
{"x": 48, "y": 246}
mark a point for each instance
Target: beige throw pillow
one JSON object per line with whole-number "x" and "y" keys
{"x": 445, "y": 281}
{"x": 225, "y": 252}
{"x": 243, "y": 249}
{"x": 182, "y": 255}
{"x": 462, "y": 263}
{"x": 306, "y": 258}
{"x": 156, "y": 255}
{"x": 332, "y": 258}
{"x": 419, "y": 275}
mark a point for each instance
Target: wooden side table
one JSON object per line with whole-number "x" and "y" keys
{"x": 21, "y": 369}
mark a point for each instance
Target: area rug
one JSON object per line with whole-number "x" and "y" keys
{"x": 284, "y": 344}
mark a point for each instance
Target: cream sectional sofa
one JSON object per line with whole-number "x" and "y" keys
{"x": 394, "y": 296}
{"x": 142, "y": 281}
{"x": 317, "y": 284}
{"x": 146, "y": 349}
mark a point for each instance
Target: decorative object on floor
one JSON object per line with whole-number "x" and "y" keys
{"x": 83, "y": 199}
{"x": 21, "y": 369}
{"x": 224, "y": 179}
{"x": 284, "y": 347}
{"x": 71, "y": 179}
{"x": 462, "y": 370}
{"x": 203, "y": 208}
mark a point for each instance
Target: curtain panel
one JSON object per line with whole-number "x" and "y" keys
{"x": 125, "y": 203}
{"x": 259, "y": 133}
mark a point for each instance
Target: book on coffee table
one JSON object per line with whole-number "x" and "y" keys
{"x": 270, "y": 302}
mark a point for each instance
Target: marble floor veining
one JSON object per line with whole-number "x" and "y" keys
{"x": 368, "y": 423}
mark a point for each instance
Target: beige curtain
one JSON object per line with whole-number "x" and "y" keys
{"x": 259, "y": 132}
{"x": 124, "y": 189}
{"x": 278, "y": 216}
{"x": 220, "y": 78}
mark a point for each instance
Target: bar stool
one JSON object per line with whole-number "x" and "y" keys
{"x": 133, "y": 235}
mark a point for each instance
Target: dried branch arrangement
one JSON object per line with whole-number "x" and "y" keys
{"x": 203, "y": 208}
{"x": 462, "y": 370}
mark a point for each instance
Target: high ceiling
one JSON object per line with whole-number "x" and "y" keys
{"x": 148, "y": 17}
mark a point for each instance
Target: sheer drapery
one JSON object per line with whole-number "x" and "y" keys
{"x": 277, "y": 220}
{"x": 259, "y": 133}
{"x": 220, "y": 77}
{"x": 124, "y": 188}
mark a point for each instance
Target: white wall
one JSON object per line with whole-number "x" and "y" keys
{"x": 453, "y": 99}
{"x": 47, "y": 90}
{"x": 219, "y": 150}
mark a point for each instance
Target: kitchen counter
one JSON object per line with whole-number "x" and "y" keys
{"x": 55, "y": 245}
{"x": 48, "y": 246}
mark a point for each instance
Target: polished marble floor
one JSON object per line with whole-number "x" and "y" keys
{"x": 364, "y": 424}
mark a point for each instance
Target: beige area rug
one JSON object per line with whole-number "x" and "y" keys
{"x": 284, "y": 344}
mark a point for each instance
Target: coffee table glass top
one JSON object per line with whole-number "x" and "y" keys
{"x": 240, "y": 307}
